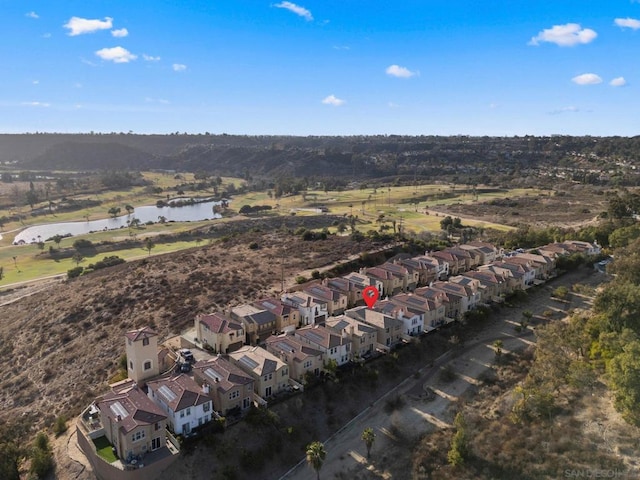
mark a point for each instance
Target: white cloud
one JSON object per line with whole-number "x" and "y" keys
{"x": 156, "y": 100}
{"x": 150, "y": 58}
{"x": 627, "y": 23}
{"x": 618, "y": 82}
{"x": 35, "y": 82}
{"x": 565, "y": 35}
{"x": 36, "y": 104}
{"x": 79, "y": 26}
{"x": 122, "y": 32}
{"x": 400, "y": 72}
{"x": 570, "y": 109}
{"x": 178, "y": 67}
{"x": 587, "y": 79}
{"x": 393, "y": 105}
{"x": 116, "y": 55}
{"x": 297, "y": 9}
{"x": 32, "y": 15}
{"x": 333, "y": 100}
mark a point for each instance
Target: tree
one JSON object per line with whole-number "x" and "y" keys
{"x": 498, "y": 348}
{"x": 41, "y": 456}
{"x": 57, "y": 239}
{"x": 316, "y": 454}
{"x": 114, "y": 211}
{"x": 459, "y": 444}
{"x": 1, "y": 272}
{"x": 368, "y": 436}
{"x": 77, "y": 257}
{"x": 624, "y": 375}
{"x": 162, "y": 219}
{"x": 129, "y": 209}
{"x": 149, "y": 245}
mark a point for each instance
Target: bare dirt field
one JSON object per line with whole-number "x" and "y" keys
{"x": 574, "y": 206}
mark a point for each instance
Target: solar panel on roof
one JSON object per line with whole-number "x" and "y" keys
{"x": 315, "y": 337}
{"x": 285, "y": 346}
{"x": 167, "y": 393}
{"x": 211, "y": 373}
{"x": 269, "y": 305}
{"x": 119, "y": 410}
{"x": 248, "y": 362}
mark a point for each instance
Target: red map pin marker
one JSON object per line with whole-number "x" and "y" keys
{"x": 370, "y": 295}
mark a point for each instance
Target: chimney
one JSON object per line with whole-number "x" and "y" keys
{"x": 205, "y": 388}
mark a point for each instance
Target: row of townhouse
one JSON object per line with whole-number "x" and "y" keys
{"x": 315, "y": 303}
{"x": 135, "y": 413}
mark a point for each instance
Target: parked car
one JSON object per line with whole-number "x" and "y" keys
{"x": 187, "y": 355}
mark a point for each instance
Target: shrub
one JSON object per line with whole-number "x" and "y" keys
{"x": 60, "y": 425}
{"x": 300, "y": 279}
{"x": 75, "y": 272}
{"x": 254, "y": 246}
{"x": 82, "y": 243}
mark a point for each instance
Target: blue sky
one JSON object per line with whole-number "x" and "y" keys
{"x": 321, "y": 67}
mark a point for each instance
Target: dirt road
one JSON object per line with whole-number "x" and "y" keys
{"x": 346, "y": 452}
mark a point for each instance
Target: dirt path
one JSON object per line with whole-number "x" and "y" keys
{"x": 346, "y": 452}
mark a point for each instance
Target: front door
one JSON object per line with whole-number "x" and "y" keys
{"x": 155, "y": 443}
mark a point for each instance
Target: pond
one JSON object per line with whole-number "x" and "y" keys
{"x": 186, "y": 213}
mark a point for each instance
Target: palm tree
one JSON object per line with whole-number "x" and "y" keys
{"x": 315, "y": 456}
{"x": 369, "y": 436}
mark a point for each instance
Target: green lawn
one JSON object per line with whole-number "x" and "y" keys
{"x": 104, "y": 450}
{"x": 404, "y": 205}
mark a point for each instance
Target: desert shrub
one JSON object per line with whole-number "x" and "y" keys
{"x": 60, "y": 425}
{"x": 561, "y": 292}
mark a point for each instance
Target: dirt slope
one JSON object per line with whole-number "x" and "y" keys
{"x": 62, "y": 345}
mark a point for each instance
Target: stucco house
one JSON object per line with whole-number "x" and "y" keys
{"x": 270, "y": 374}
{"x": 287, "y": 317}
{"x": 230, "y": 387}
{"x": 300, "y": 357}
{"x": 312, "y": 310}
{"x": 388, "y": 328}
{"x": 334, "y": 346}
{"x": 185, "y": 403}
{"x": 133, "y": 424}
{"x": 364, "y": 338}
{"x": 336, "y": 301}
{"x": 258, "y": 323}
{"x": 412, "y": 319}
{"x": 219, "y": 332}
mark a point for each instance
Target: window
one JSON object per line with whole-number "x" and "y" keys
{"x": 206, "y": 407}
{"x": 270, "y": 376}
{"x": 155, "y": 443}
{"x": 139, "y": 435}
{"x": 145, "y": 342}
{"x": 147, "y": 365}
{"x": 246, "y": 402}
{"x": 361, "y": 339}
{"x": 130, "y": 365}
{"x": 157, "y": 426}
{"x": 267, "y": 392}
{"x": 189, "y": 411}
{"x": 181, "y": 413}
{"x": 234, "y": 394}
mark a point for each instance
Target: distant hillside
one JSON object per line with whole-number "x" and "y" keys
{"x": 469, "y": 158}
